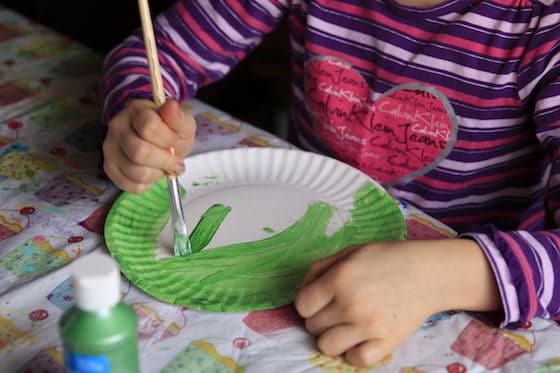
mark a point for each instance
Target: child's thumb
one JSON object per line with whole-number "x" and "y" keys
{"x": 170, "y": 113}
{"x": 183, "y": 123}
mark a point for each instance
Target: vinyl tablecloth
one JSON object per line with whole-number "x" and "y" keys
{"x": 53, "y": 203}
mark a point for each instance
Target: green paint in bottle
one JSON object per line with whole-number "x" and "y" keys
{"x": 99, "y": 333}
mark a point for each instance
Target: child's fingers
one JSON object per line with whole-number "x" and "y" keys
{"x": 119, "y": 178}
{"x": 126, "y": 173}
{"x": 340, "y": 338}
{"x": 141, "y": 152}
{"x": 321, "y": 266}
{"x": 369, "y": 353}
{"x": 130, "y": 186}
{"x": 150, "y": 126}
{"x": 139, "y": 174}
{"x": 316, "y": 270}
{"x": 134, "y": 171}
{"x": 313, "y": 298}
{"x": 325, "y": 319}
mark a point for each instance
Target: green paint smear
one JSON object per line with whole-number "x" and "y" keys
{"x": 245, "y": 276}
{"x": 212, "y": 181}
{"x": 268, "y": 230}
{"x": 207, "y": 226}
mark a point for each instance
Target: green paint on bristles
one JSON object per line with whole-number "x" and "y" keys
{"x": 181, "y": 244}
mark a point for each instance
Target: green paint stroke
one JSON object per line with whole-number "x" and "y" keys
{"x": 207, "y": 226}
{"x": 268, "y": 230}
{"x": 244, "y": 276}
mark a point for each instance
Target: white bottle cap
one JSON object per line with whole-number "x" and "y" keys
{"x": 96, "y": 281}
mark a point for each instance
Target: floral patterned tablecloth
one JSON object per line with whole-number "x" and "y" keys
{"x": 52, "y": 208}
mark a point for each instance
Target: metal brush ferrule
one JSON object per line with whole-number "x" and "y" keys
{"x": 177, "y": 215}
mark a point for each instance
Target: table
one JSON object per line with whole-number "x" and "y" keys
{"x": 53, "y": 202}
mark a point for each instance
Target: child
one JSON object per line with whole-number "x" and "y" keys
{"x": 454, "y": 105}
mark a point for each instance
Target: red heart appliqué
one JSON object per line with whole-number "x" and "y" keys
{"x": 403, "y": 134}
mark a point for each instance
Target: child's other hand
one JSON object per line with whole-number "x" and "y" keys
{"x": 135, "y": 148}
{"x": 365, "y": 300}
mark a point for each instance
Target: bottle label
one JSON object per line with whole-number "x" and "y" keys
{"x": 76, "y": 363}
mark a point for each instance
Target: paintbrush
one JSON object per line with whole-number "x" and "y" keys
{"x": 181, "y": 243}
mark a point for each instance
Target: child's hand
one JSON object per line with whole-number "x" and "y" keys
{"x": 366, "y": 300}
{"x": 135, "y": 148}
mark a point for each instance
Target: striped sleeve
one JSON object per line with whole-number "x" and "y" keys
{"x": 527, "y": 261}
{"x": 198, "y": 41}
{"x": 526, "y": 265}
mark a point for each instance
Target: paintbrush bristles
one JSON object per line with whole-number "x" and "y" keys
{"x": 181, "y": 244}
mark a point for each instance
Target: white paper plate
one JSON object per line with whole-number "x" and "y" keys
{"x": 288, "y": 208}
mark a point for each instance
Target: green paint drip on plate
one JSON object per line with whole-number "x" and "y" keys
{"x": 244, "y": 276}
{"x": 211, "y": 180}
{"x": 268, "y": 230}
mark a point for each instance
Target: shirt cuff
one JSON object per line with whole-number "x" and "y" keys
{"x": 502, "y": 273}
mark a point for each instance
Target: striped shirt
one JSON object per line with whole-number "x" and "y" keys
{"x": 454, "y": 108}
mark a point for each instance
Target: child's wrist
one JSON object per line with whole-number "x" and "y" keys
{"x": 468, "y": 282}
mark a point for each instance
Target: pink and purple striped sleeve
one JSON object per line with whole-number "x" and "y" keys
{"x": 198, "y": 43}
{"x": 527, "y": 261}
{"x": 527, "y": 268}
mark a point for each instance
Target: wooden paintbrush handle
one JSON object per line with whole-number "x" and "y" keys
{"x": 151, "y": 52}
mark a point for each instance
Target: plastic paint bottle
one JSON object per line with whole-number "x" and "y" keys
{"x": 99, "y": 333}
